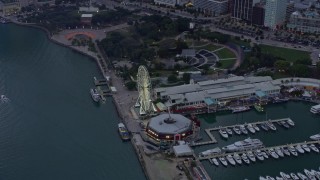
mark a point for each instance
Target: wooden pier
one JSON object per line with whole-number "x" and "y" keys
{"x": 262, "y": 149}
{"x": 100, "y": 82}
{"x": 256, "y": 123}
{"x": 213, "y": 140}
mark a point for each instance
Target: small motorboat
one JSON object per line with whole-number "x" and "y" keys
{"x": 251, "y": 156}
{"x": 305, "y": 147}
{"x": 314, "y": 148}
{"x": 290, "y": 122}
{"x": 309, "y": 174}
{"x": 223, "y": 161}
{"x": 285, "y": 151}
{"x": 271, "y": 125}
{"x": 223, "y": 133}
{"x": 273, "y": 153}
{"x": 237, "y": 158}
{"x": 299, "y": 149}
{"x": 231, "y": 160}
{"x": 315, "y": 173}
{"x": 243, "y": 129}
{"x": 259, "y": 155}
{"x": 264, "y": 154}
{"x": 270, "y": 178}
{"x": 279, "y": 151}
{"x": 229, "y": 131}
{"x": 302, "y": 176}
{"x": 251, "y": 129}
{"x": 284, "y": 124}
{"x": 264, "y": 126}
{"x": 293, "y": 151}
{"x": 215, "y": 161}
{"x": 279, "y": 178}
{"x": 236, "y": 129}
{"x": 285, "y": 176}
{"x": 255, "y": 127}
{"x": 244, "y": 157}
{"x": 294, "y": 176}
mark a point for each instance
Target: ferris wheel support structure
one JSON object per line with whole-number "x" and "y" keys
{"x": 144, "y": 88}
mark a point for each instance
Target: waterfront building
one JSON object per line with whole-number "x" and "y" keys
{"x": 86, "y": 19}
{"x": 166, "y": 2}
{"x": 212, "y": 7}
{"x": 275, "y": 13}
{"x": 169, "y": 127}
{"x": 289, "y": 10}
{"x": 308, "y": 21}
{"x": 242, "y": 9}
{"x": 208, "y": 95}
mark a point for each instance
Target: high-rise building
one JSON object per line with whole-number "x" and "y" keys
{"x": 242, "y": 9}
{"x": 258, "y": 14}
{"x": 275, "y": 13}
{"x": 212, "y": 7}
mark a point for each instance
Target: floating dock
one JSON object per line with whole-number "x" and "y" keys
{"x": 213, "y": 140}
{"x": 262, "y": 149}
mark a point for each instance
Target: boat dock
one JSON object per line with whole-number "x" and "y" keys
{"x": 262, "y": 149}
{"x": 256, "y": 123}
{"x": 212, "y": 141}
{"x": 100, "y": 82}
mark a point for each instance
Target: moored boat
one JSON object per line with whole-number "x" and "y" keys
{"x": 299, "y": 149}
{"x": 279, "y": 151}
{"x": 259, "y": 155}
{"x": 271, "y": 125}
{"x": 243, "y": 129}
{"x": 223, "y": 133}
{"x": 273, "y": 153}
{"x": 315, "y": 137}
{"x": 251, "y": 129}
{"x": 264, "y": 154}
{"x": 306, "y": 147}
{"x": 302, "y": 176}
{"x": 294, "y": 176}
{"x": 315, "y": 173}
{"x": 284, "y": 175}
{"x": 236, "y": 129}
{"x": 315, "y": 109}
{"x": 284, "y": 124}
{"x": 240, "y": 109}
{"x": 270, "y": 178}
{"x": 215, "y": 161}
{"x": 292, "y": 150}
{"x": 264, "y": 126}
{"x": 251, "y": 156}
{"x": 237, "y": 158}
{"x": 259, "y": 108}
{"x": 290, "y": 122}
{"x": 210, "y": 152}
{"x": 314, "y": 148}
{"x": 285, "y": 151}
{"x": 231, "y": 160}
{"x": 124, "y": 134}
{"x": 229, "y": 131}
{"x": 244, "y": 145}
{"x": 245, "y": 158}
{"x": 223, "y": 161}
{"x": 255, "y": 127}
{"x": 309, "y": 175}
{"x": 95, "y": 95}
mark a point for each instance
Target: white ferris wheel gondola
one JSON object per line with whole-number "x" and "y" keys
{"x": 144, "y": 88}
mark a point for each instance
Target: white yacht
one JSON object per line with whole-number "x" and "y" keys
{"x": 285, "y": 151}
{"x": 290, "y": 122}
{"x": 315, "y": 137}
{"x": 243, "y": 129}
{"x": 279, "y": 178}
{"x": 294, "y": 176}
{"x": 215, "y": 161}
{"x": 264, "y": 126}
{"x": 284, "y": 124}
{"x": 223, "y": 161}
{"x": 240, "y": 109}
{"x": 251, "y": 156}
{"x": 237, "y": 158}
{"x": 299, "y": 149}
{"x": 264, "y": 154}
{"x": 210, "y": 152}
{"x": 223, "y": 133}
{"x": 270, "y": 178}
{"x": 285, "y": 176}
{"x": 315, "y": 173}
{"x": 244, "y": 145}
{"x": 273, "y": 153}
{"x": 250, "y": 128}
{"x": 236, "y": 129}
{"x": 262, "y": 178}
{"x": 271, "y": 125}
{"x": 231, "y": 160}
{"x": 229, "y": 131}
{"x": 259, "y": 155}
{"x": 315, "y": 109}
{"x": 255, "y": 127}
{"x": 305, "y": 147}
{"x": 293, "y": 150}
{"x": 95, "y": 95}
{"x": 279, "y": 151}
{"x": 245, "y": 158}
{"x": 314, "y": 148}
{"x": 302, "y": 176}
{"x": 309, "y": 174}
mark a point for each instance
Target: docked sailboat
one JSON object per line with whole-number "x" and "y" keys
{"x": 244, "y": 145}
{"x": 251, "y": 129}
{"x": 223, "y": 133}
{"x": 299, "y": 149}
{"x": 314, "y": 148}
{"x": 293, "y": 150}
{"x": 315, "y": 137}
{"x": 231, "y": 160}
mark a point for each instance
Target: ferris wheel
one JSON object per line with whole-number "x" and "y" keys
{"x": 144, "y": 88}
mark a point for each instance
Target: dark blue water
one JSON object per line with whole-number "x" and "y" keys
{"x": 51, "y": 129}
{"x": 307, "y": 124}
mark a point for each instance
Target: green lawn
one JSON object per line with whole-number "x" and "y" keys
{"x": 209, "y": 47}
{"x": 285, "y": 53}
{"x": 225, "y": 53}
{"x": 225, "y": 64}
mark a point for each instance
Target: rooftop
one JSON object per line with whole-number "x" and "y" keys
{"x": 178, "y": 124}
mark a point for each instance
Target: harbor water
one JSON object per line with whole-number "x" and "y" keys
{"x": 50, "y": 128}
{"x": 306, "y": 124}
